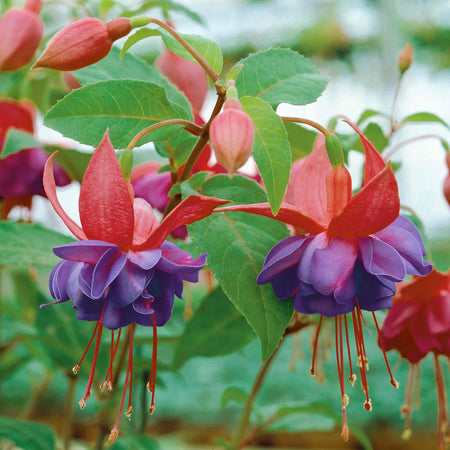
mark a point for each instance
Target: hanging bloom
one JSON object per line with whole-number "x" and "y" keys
{"x": 21, "y": 173}
{"x": 82, "y": 43}
{"x": 21, "y": 31}
{"x": 419, "y": 324}
{"x": 347, "y": 253}
{"x": 232, "y": 134}
{"x": 447, "y": 179}
{"x": 122, "y": 272}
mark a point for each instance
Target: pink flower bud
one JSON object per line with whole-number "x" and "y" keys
{"x": 70, "y": 81}
{"x": 21, "y": 32}
{"x": 186, "y": 75}
{"x": 405, "y": 58}
{"x": 82, "y": 43}
{"x": 232, "y": 134}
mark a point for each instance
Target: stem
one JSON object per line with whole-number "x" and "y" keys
{"x": 190, "y": 126}
{"x": 394, "y": 106}
{"x": 68, "y": 424}
{"x": 394, "y": 149}
{"x": 238, "y": 440}
{"x": 197, "y": 56}
{"x": 202, "y": 141}
{"x": 309, "y": 122}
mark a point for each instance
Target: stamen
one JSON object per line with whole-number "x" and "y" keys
{"x": 188, "y": 309}
{"x": 130, "y": 368}
{"x": 76, "y": 367}
{"x": 94, "y": 363}
{"x": 394, "y": 382}
{"x": 363, "y": 346}
{"x": 407, "y": 407}
{"x": 152, "y": 383}
{"x": 115, "y": 430}
{"x": 316, "y": 340}
{"x": 109, "y": 383}
{"x": 352, "y": 376}
{"x": 443, "y": 416}
{"x": 340, "y": 367}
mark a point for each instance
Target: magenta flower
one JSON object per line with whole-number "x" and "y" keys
{"x": 122, "y": 272}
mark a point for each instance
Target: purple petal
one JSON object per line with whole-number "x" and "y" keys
{"x": 106, "y": 271}
{"x": 146, "y": 259}
{"x": 154, "y": 188}
{"x": 128, "y": 286}
{"x": 163, "y": 287}
{"x": 380, "y": 258}
{"x": 332, "y": 269}
{"x": 283, "y": 255}
{"x": 90, "y": 316}
{"x": 285, "y": 283}
{"x": 376, "y": 304}
{"x": 79, "y": 299}
{"x": 304, "y": 268}
{"x": 406, "y": 224}
{"x": 325, "y": 305}
{"x": 409, "y": 248}
{"x": 144, "y": 305}
{"x": 58, "y": 280}
{"x": 85, "y": 277}
{"x": 83, "y": 251}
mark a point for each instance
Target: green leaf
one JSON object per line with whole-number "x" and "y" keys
{"x": 17, "y": 140}
{"x": 237, "y": 244}
{"x": 142, "y": 33}
{"x": 233, "y": 393}
{"x": 124, "y": 106}
{"x": 234, "y": 72}
{"x": 280, "y": 75}
{"x": 134, "y": 441}
{"x": 217, "y": 328}
{"x": 29, "y": 244}
{"x": 271, "y": 149}
{"x": 207, "y": 48}
{"x": 177, "y": 147}
{"x": 130, "y": 67}
{"x": 301, "y": 140}
{"x": 424, "y": 117}
{"x": 166, "y": 6}
{"x": 367, "y": 114}
{"x": 72, "y": 161}
{"x": 27, "y": 435}
{"x": 194, "y": 183}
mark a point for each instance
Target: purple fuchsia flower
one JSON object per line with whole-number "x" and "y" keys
{"x": 419, "y": 324}
{"x": 122, "y": 271}
{"x": 347, "y": 253}
{"x": 21, "y": 173}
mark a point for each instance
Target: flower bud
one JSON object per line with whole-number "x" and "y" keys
{"x": 21, "y": 32}
{"x": 405, "y": 58}
{"x": 232, "y": 134}
{"x": 82, "y": 43}
{"x": 70, "y": 81}
{"x": 186, "y": 75}
{"x": 334, "y": 150}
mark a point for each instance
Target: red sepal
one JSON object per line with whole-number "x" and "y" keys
{"x": 307, "y": 189}
{"x": 193, "y": 208}
{"x": 50, "y": 190}
{"x": 287, "y": 214}
{"x": 374, "y": 162}
{"x": 106, "y": 208}
{"x": 373, "y": 208}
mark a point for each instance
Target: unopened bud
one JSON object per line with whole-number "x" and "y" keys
{"x": 126, "y": 163}
{"x": 232, "y": 134}
{"x": 186, "y": 75}
{"x": 82, "y": 43}
{"x": 21, "y": 31}
{"x": 70, "y": 81}
{"x": 405, "y": 58}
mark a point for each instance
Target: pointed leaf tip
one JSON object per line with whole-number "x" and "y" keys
{"x": 50, "y": 190}
{"x": 106, "y": 208}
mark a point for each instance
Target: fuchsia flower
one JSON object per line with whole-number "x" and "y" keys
{"x": 348, "y": 252}
{"x": 122, "y": 271}
{"x": 21, "y": 31}
{"x": 419, "y": 324}
{"x": 21, "y": 173}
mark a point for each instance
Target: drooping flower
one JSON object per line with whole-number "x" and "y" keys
{"x": 232, "y": 134}
{"x": 21, "y": 31}
{"x": 21, "y": 173}
{"x": 122, "y": 272}
{"x": 347, "y": 253}
{"x": 82, "y": 43}
{"x": 419, "y": 324}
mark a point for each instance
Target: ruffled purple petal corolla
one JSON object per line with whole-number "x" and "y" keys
{"x": 332, "y": 276}
{"x": 126, "y": 287}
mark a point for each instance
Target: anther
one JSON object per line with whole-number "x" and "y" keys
{"x": 110, "y": 386}
{"x": 75, "y": 369}
{"x": 129, "y": 412}
{"x": 345, "y": 400}
{"x": 352, "y": 379}
{"x": 345, "y": 433}
{"x": 395, "y": 383}
{"x": 406, "y": 435}
{"x": 113, "y": 436}
{"x": 82, "y": 403}
{"x": 151, "y": 410}
{"x": 103, "y": 385}
{"x": 368, "y": 405}
{"x": 149, "y": 387}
